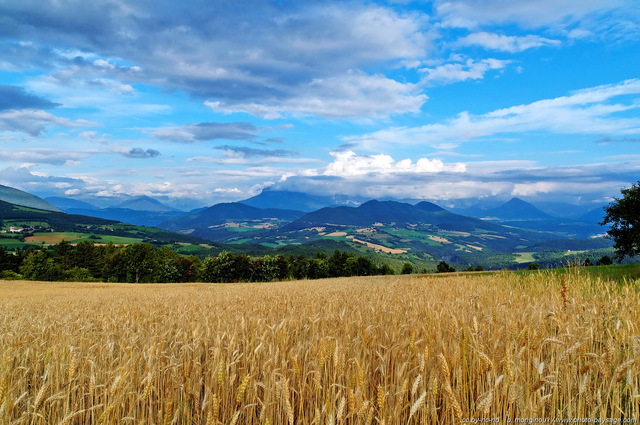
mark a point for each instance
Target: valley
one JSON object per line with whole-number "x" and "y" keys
{"x": 420, "y": 233}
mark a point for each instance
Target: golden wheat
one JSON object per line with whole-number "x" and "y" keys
{"x": 393, "y": 350}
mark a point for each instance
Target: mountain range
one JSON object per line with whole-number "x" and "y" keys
{"x": 414, "y": 230}
{"x": 424, "y": 231}
{"x": 223, "y": 222}
{"x": 140, "y": 210}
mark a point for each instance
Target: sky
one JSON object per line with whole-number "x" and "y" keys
{"x": 207, "y": 101}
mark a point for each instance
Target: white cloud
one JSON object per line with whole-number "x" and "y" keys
{"x": 206, "y": 131}
{"x": 349, "y": 164}
{"x": 455, "y": 72}
{"x": 588, "y": 111}
{"x": 34, "y": 122}
{"x": 264, "y": 62}
{"x": 505, "y": 43}
{"x": 480, "y": 180}
{"x": 352, "y": 95}
{"x": 532, "y": 13}
{"x": 233, "y": 190}
{"x": 530, "y": 189}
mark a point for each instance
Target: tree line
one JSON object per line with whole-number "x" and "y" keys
{"x": 144, "y": 263}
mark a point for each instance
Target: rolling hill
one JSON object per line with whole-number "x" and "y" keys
{"x": 230, "y": 221}
{"x": 21, "y": 226}
{"x": 423, "y": 233}
{"x": 19, "y": 197}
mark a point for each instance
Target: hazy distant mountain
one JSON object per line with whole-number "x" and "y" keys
{"x": 19, "y": 197}
{"x": 517, "y": 209}
{"x": 298, "y": 201}
{"x": 141, "y": 210}
{"x": 144, "y": 203}
{"x": 593, "y": 216}
{"x": 563, "y": 209}
{"x": 126, "y": 215}
{"x": 519, "y": 213}
{"x": 67, "y": 203}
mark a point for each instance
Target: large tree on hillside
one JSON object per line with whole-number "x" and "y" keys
{"x": 624, "y": 217}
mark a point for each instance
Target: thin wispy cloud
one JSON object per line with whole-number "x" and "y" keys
{"x": 506, "y": 43}
{"x": 588, "y": 111}
{"x": 206, "y": 131}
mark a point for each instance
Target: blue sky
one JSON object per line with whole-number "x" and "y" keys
{"x": 201, "y": 102}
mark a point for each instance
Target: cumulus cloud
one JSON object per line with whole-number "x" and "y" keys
{"x": 479, "y": 180}
{"x": 505, "y": 43}
{"x": 349, "y": 164}
{"x": 371, "y": 176}
{"x": 206, "y": 131}
{"x": 218, "y": 52}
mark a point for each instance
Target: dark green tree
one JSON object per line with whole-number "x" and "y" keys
{"x": 8, "y": 261}
{"x": 228, "y": 267}
{"x": 141, "y": 261}
{"x": 407, "y": 268}
{"x": 89, "y": 256}
{"x": 604, "y": 261}
{"x": 318, "y": 268}
{"x": 64, "y": 253}
{"x": 443, "y": 267}
{"x": 168, "y": 266}
{"x": 385, "y": 269}
{"x": 40, "y": 265}
{"x": 624, "y": 217}
{"x": 264, "y": 269}
{"x": 338, "y": 264}
{"x": 360, "y": 266}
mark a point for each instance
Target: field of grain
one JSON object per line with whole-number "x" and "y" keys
{"x": 392, "y": 350}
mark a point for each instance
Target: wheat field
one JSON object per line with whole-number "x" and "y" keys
{"x": 380, "y": 350}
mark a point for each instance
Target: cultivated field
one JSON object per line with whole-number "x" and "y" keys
{"x": 393, "y": 350}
